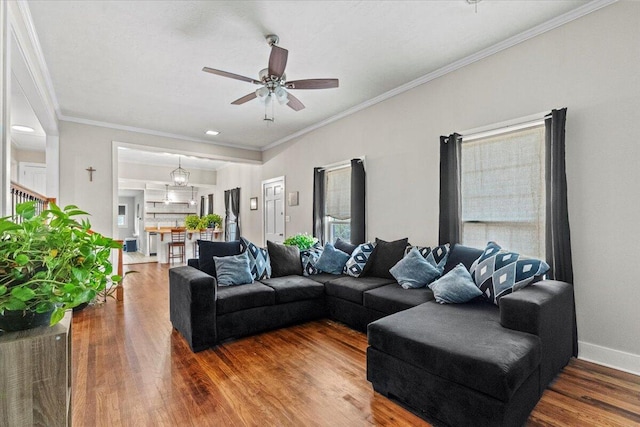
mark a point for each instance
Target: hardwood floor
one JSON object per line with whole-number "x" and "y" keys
{"x": 130, "y": 368}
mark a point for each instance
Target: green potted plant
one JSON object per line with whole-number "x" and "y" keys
{"x": 50, "y": 262}
{"x": 211, "y": 221}
{"x": 192, "y": 222}
{"x": 301, "y": 240}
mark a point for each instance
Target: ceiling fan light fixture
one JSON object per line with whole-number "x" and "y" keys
{"x": 281, "y": 95}
{"x": 262, "y": 93}
{"x": 179, "y": 176}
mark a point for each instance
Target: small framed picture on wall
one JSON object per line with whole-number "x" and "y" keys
{"x": 253, "y": 203}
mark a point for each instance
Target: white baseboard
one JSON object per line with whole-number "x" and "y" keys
{"x": 623, "y": 361}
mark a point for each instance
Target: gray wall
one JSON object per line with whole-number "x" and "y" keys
{"x": 591, "y": 66}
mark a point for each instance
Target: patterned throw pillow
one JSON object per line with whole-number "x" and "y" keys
{"x": 499, "y": 272}
{"x": 436, "y": 256}
{"x": 359, "y": 258}
{"x": 309, "y": 258}
{"x": 258, "y": 259}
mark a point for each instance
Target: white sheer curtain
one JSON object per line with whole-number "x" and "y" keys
{"x": 503, "y": 191}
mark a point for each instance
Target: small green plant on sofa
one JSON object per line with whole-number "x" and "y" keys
{"x": 301, "y": 240}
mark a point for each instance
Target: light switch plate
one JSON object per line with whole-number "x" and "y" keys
{"x": 287, "y": 218}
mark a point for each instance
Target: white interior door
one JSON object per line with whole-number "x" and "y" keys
{"x": 33, "y": 176}
{"x": 273, "y": 196}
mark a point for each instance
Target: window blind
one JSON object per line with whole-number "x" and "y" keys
{"x": 338, "y": 193}
{"x": 502, "y": 191}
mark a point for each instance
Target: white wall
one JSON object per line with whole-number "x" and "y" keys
{"x": 159, "y": 174}
{"x": 592, "y": 67}
{"x": 83, "y": 145}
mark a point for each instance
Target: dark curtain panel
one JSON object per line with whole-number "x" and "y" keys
{"x": 201, "y": 205}
{"x": 318, "y": 204}
{"x": 210, "y": 205}
{"x": 449, "y": 230}
{"x": 232, "y": 214}
{"x": 358, "y": 225}
{"x": 558, "y": 237}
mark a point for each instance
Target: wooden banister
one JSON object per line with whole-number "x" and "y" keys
{"x": 21, "y": 194}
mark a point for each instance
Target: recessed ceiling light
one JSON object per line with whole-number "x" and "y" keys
{"x": 212, "y": 132}
{"x": 21, "y": 128}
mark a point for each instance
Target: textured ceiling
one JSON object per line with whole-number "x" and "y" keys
{"x": 138, "y": 63}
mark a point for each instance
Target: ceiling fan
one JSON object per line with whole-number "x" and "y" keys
{"x": 274, "y": 81}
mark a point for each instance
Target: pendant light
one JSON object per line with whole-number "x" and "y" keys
{"x": 179, "y": 176}
{"x": 166, "y": 200}
{"x": 192, "y": 202}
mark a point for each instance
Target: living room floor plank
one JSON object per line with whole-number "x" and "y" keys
{"x": 131, "y": 369}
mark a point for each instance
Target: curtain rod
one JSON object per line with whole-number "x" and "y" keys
{"x": 508, "y": 125}
{"x": 341, "y": 164}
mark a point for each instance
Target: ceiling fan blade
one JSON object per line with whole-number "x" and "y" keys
{"x": 245, "y": 98}
{"x": 295, "y": 103}
{"x": 230, "y": 75}
{"x": 277, "y": 61}
{"x": 312, "y": 84}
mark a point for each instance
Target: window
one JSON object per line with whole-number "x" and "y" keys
{"x": 503, "y": 190}
{"x": 122, "y": 216}
{"x": 338, "y": 204}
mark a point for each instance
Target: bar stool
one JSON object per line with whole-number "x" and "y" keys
{"x": 178, "y": 238}
{"x": 206, "y": 234}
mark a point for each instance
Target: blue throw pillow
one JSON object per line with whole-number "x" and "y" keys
{"x": 499, "y": 272}
{"x": 259, "y": 262}
{"x": 309, "y": 258}
{"x": 332, "y": 260}
{"x": 233, "y": 270}
{"x": 359, "y": 257}
{"x": 455, "y": 287}
{"x": 413, "y": 271}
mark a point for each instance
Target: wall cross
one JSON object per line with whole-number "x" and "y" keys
{"x": 91, "y": 170}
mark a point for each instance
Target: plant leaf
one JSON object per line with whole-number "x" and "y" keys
{"x": 22, "y": 293}
{"x": 22, "y": 259}
{"x": 57, "y": 315}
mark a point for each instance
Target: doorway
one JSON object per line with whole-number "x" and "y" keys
{"x": 273, "y": 205}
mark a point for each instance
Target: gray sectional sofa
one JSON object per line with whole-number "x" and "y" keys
{"x": 473, "y": 364}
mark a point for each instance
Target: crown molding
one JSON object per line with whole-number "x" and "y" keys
{"x": 153, "y": 132}
{"x": 498, "y": 47}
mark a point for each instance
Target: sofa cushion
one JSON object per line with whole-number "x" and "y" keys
{"x": 499, "y": 272}
{"x": 385, "y": 256}
{"x": 414, "y": 271}
{"x": 210, "y": 249}
{"x": 352, "y": 288}
{"x": 344, "y": 246}
{"x": 235, "y": 298}
{"x": 455, "y": 287}
{"x": 392, "y": 298}
{"x": 461, "y": 254}
{"x": 285, "y": 260}
{"x": 233, "y": 270}
{"x": 462, "y": 343}
{"x": 324, "y": 278}
{"x": 294, "y": 288}
{"x": 359, "y": 257}
{"x": 259, "y": 263}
